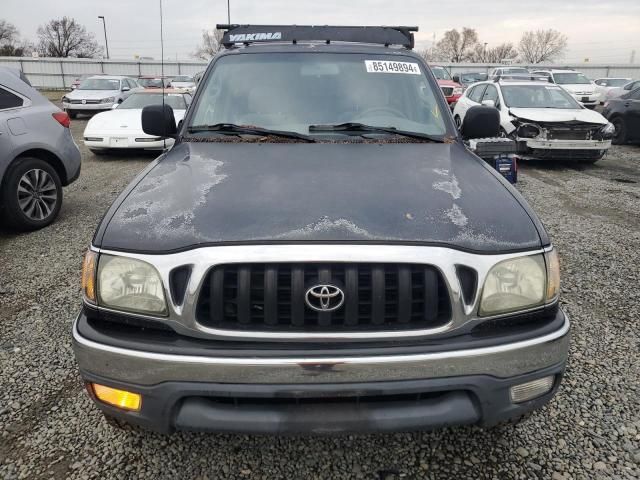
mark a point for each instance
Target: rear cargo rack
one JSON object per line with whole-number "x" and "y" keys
{"x": 381, "y": 35}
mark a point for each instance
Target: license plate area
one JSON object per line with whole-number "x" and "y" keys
{"x": 119, "y": 142}
{"x": 585, "y": 99}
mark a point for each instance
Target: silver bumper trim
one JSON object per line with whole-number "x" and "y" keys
{"x": 147, "y": 368}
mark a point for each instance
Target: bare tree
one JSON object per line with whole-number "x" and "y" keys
{"x": 210, "y": 44}
{"x": 66, "y": 38}
{"x": 542, "y": 45}
{"x": 497, "y": 54}
{"x": 457, "y": 46}
{"x": 8, "y": 33}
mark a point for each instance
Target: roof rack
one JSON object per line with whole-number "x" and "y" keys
{"x": 522, "y": 77}
{"x": 386, "y": 36}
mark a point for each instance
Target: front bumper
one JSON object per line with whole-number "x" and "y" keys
{"x": 308, "y": 394}
{"x": 87, "y": 107}
{"x": 115, "y": 141}
{"x": 566, "y": 144}
{"x": 587, "y": 100}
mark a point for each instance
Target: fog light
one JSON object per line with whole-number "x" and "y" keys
{"x": 530, "y": 390}
{"x": 117, "y": 398}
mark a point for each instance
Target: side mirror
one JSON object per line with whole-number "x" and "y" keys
{"x": 456, "y": 78}
{"x": 158, "y": 120}
{"x": 125, "y": 89}
{"x": 479, "y": 122}
{"x": 489, "y": 103}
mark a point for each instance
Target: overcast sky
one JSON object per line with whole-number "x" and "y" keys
{"x": 605, "y": 31}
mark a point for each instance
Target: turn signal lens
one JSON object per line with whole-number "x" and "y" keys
{"x": 117, "y": 398}
{"x": 530, "y": 390}
{"x": 89, "y": 276}
{"x": 553, "y": 275}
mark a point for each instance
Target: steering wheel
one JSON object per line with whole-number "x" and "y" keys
{"x": 396, "y": 113}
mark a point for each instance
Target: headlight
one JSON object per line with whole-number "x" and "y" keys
{"x": 457, "y": 91}
{"x": 131, "y": 285}
{"x": 65, "y": 99}
{"x": 514, "y": 284}
{"x": 607, "y": 132}
{"x": 108, "y": 100}
{"x": 528, "y": 131}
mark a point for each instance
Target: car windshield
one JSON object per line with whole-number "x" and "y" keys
{"x": 473, "y": 77}
{"x": 441, "y": 73}
{"x": 141, "y": 100}
{"x": 182, "y": 78}
{"x": 100, "y": 84}
{"x": 537, "y": 96}
{"x": 515, "y": 71}
{"x": 616, "y": 82}
{"x": 570, "y": 78}
{"x": 293, "y": 91}
{"x": 151, "y": 82}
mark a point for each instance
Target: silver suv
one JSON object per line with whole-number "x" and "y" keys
{"x": 37, "y": 154}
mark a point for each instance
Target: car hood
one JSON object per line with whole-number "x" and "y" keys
{"x": 447, "y": 83}
{"x": 121, "y": 119}
{"x": 227, "y": 193}
{"x": 183, "y": 84}
{"x": 91, "y": 94}
{"x": 579, "y": 87}
{"x": 558, "y": 115}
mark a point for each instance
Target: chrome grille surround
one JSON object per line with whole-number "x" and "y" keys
{"x": 183, "y": 318}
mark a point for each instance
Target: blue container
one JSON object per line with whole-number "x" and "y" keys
{"x": 507, "y": 166}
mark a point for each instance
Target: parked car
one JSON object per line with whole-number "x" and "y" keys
{"x": 469, "y": 78}
{"x": 619, "y": 91}
{"x": 121, "y": 127}
{"x": 78, "y": 80}
{"x": 183, "y": 81}
{"x": 450, "y": 89}
{"x": 624, "y": 113}
{"x": 545, "y": 120}
{"x": 319, "y": 252}
{"x": 576, "y": 83}
{"x": 98, "y": 93}
{"x": 37, "y": 155}
{"x": 501, "y": 71}
{"x": 603, "y": 85}
{"x": 154, "y": 82}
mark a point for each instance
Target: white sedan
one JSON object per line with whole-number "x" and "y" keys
{"x": 544, "y": 119}
{"x": 121, "y": 127}
{"x": 603, "y": 85}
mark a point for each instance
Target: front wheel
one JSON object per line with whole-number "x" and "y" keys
{"x": 33, "y": 194}
{"x": 620, "y": 135}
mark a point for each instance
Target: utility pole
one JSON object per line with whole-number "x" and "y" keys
{"x": 633, "y": 56}
{"x": 106, "y": 43}
{"x": 229, "y": 12}
{"x": 484, "y": 53}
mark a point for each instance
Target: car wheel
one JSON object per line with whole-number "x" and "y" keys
{"x": 72, "y": 114}
{"x": 620, "y": 135}
{"x": 31, "y": 194}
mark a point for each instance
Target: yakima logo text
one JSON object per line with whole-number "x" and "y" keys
{"x": 251, "y": 37}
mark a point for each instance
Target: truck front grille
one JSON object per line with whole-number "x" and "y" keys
{"x": 271, "y": 297}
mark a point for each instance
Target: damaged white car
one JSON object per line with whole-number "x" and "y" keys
{"x": 545, "y": 120}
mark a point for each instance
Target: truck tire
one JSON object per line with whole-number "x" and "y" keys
{"x": 31, "y": 194}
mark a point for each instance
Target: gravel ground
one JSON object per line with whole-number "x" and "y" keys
{"x": 50, "y": 429}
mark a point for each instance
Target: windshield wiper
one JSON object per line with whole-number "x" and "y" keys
{"x": 359, "y": 128}
{"x": 233, "y": 129}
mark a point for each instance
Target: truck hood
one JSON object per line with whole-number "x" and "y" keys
{"x": 558, "y": 115}
{"x": 227, "y": 193}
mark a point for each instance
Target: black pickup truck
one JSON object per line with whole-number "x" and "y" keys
{"x": 319, "y": 252}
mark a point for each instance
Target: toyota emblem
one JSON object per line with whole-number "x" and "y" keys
{"x": 324, "y": 298}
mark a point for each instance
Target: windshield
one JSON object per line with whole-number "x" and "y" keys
{"x": 570, "y": 78}
{"x": 141, "y": 100}
{"x": 515, "y": 71}
{"x": 291, "y": 92}
{"x": 151, "y": 82}
{"x": 182, "y": 78}
{"x": 100, "y": 84}
{"x": 441, "y": 73}
{"x": 473, "y": 77}
{"x": 537, "y": 96}
{"x": 616, "y": 82}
